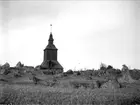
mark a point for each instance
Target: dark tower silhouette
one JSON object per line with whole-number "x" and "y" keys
{"x": 50, "y": 62}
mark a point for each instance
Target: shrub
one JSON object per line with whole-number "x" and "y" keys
{"x": 135, "y": 74}
{"x": 124, "y": 68}
{"x": 103, "y": 66}
{"x": 6, "y": 66}
{"x": 69, "y": 72}
{"x": 109, "y": 67}
{"x": 19, "y": 65}
{"x": 77, "y": 73}
{"x": 101, "y": 73}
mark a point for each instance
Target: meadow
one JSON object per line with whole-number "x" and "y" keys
{"x": 68, "y": 88}
{"x": 40, "y": 95}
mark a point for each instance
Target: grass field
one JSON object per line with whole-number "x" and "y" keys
{"x": 62, "y": 93}
{"x": 90, "y": 87}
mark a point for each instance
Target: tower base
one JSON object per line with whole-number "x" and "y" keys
{"x": 51, "y": 67}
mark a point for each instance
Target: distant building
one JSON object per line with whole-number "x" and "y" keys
{"x": 50, "y": 63}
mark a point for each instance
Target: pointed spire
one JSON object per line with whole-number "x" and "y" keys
{"x": 51, "y": 36}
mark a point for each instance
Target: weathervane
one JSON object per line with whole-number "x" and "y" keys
{"x": 51, "y": 28}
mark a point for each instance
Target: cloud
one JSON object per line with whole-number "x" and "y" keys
{"x": 85, "y": 32}
{"x": 18, "y": 13}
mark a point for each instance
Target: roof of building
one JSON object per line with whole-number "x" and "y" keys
{"x": 50, "y": 44}
{"x": 55, "y": 64}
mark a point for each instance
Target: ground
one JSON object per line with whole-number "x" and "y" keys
{"x": 65, "y": 89}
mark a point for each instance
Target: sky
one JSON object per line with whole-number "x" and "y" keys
{"x": 86, "y": 33}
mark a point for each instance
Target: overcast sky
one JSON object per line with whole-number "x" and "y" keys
{"x": 86, "y": 33}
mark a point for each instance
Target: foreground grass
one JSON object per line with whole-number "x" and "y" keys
{"x": 41, "y": 95}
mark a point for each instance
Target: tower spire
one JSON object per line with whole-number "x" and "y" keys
{"x": 51, "y": 37}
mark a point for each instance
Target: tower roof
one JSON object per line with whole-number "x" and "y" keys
{"x": 56, "y": 64}
{"x": 50, "y": 42}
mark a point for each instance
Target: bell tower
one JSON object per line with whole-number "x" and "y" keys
{"x": 50, "y": 56}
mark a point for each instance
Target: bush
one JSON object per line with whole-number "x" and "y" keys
{"x": 103, "y": 66}
{"x": 19, "y": 65}
{"x": 135, "y": 74}
{"x": 69, "y": 72}
{"x": 124, "y": 68}
{"x": 109, "y": 67}
{"x": 77, "y": 73}
{"x": 6, "y": 66}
